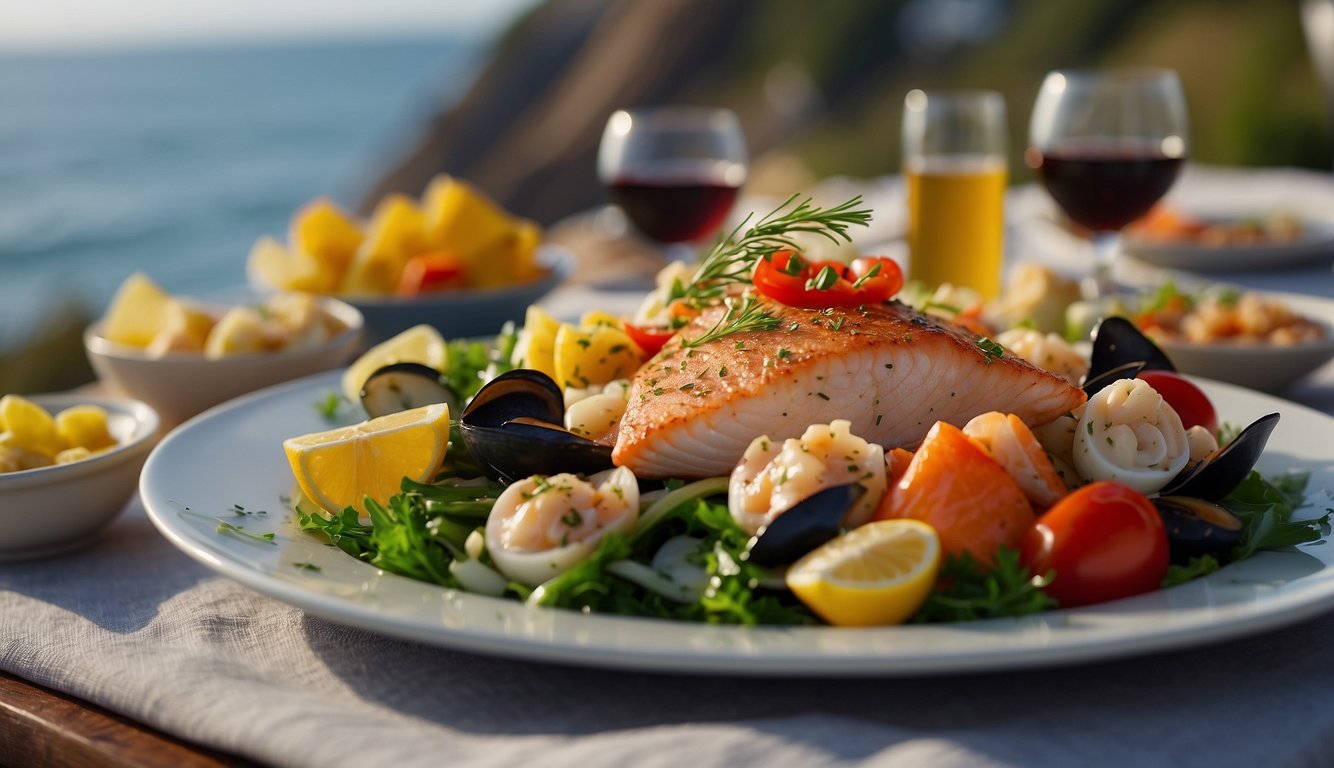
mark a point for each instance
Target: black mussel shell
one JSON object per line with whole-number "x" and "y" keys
{"x": 1094, "y": 384}
{"x": 402, "y": 387}
{"x": 1220, "y": 473}
{"x": 523, "y": 447}
{"x": 813, "y": 521}
{"x": 1197, "y": 527}
{"x": 522, "y": 392}
{"x": 1116, "y": 342}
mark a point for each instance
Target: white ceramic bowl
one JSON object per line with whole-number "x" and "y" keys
{"x": 458, "y": 314}
{"x": 56, "y": 509}
{"x": 179, "y": 386}
{"x": 1268, "y": 367}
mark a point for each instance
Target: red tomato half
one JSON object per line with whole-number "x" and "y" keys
{"x": 1188, "y": 400}
{"x": 1105, "y": 541}
{"x": 787, "y": 278}
{"x": 429, "y": 272}
{"x": 649, "y": 339}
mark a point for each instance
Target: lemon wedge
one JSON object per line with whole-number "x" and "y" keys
{"x": 419, "y": 344}
{"x": 341, "y": 467}
{"x": 879, "y": 573}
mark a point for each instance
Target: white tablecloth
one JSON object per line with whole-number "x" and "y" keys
{"x": 137, "y": 627}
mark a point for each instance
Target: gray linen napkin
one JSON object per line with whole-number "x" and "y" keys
{"x": 137, "y": 627}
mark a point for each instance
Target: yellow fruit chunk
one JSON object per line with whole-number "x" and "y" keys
{"x": 587, "y": 356}
{"x": 323, "y": 231}
{"x": 186, "y": 329}
{"x": 239, "y": 332}
{"x": 395, "y": 233}
{"x": 462, "y": 219}
{"x": 341, "y": 467}
{"x": 137, "y": 312}
{"x": 29, "y": 427}
{"x": 71, "y": 455}
{"x": 84, "y": 426}
{"x": 273, "y": 265}
{"x": 536, "y": 344}
{"x": 509, "y": 261}
{"x": 879, "y": 573}
{"x": 418, "y": 344}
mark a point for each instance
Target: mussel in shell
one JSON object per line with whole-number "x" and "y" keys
{"x": 1117, "y": 342}
{"x": 402, "y": 387}
{"x": 1216, "y": 476}
{"x": 808, "y": 524}
{"x": 512, "y": 428}
{"x": 1197, "y": 527}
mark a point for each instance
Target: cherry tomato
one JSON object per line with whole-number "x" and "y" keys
{"x": 1188, "y": 400}
{"x": 786, "y": 277}
{"x": 650, "y": 339}
{"x": 436, "y": 271}
{"x": 1103, "y": 542}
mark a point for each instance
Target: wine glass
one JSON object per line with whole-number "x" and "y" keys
{"x": 1107, "y": 145}
{"x": 674, "y": 170}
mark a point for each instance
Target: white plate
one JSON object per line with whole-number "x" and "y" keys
{"x": 1315, "y": 244}
{"x": 245, "y": 466}
{"x": 1267, "y": 367}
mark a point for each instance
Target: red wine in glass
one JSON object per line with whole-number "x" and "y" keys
{"x": 673, "y": 207}
{"x": 1104, "y": 186}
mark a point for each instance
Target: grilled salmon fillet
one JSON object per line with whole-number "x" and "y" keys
{"x": 890, "y": 370}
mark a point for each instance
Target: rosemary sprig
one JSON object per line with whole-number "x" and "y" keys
{"x": 750, "y": 316}
{"x": 732, "y": 260}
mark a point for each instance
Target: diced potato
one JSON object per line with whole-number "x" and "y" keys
{"x": 596, "y": 355}
{"x": 536, "y": 343}
{"x": 137, "y": 313}
{"x": 273, "y": 265}
{"x": 239, "y": 332}
{"x": 29, "y": 427}
{"x": 395, "y": 233}
{"x": 84, "y": 426}
{"x": 185, "y": 330}
{"x": 320, "y": 229}
{"x": 599, "y": 317}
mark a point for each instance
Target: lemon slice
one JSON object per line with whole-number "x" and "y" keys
{"x": 419, "y": 344}
{"x": 879, "y": 573}
{"x": 339, "y": 468}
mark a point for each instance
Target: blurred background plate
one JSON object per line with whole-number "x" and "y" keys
{"x": 1267, "y": 367}
{"x": 1315, "y": 243}
{"x": 466, "y": 312}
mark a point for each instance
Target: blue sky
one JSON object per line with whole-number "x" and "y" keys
{"x": 78, "y": 25}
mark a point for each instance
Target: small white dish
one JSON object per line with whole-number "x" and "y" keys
{"x": 464, "y": 313}
{"x": 52, "y": 510}
{"x": 1264, "y": 367}
{"x": 181, "y": 385}
{"x": 1313, "y": 245}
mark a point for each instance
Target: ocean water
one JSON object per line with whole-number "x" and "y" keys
{"x": 174, "y": 162}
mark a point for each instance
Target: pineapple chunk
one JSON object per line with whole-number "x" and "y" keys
{"x": 239, "y": 332}
{"x": 29, "y": 427}
{"x": 460, "y": 218}
{"x": 395, "y": 233}
{"x": 510, "y": 261}
{"x": 137, "y": 313}
{"x": 273, "y": 265}
{"x": 71, "y": 455}
{"x": 84, "y": 426}
{"x": 322, "y": 231}
{"x": 186, "y": 328}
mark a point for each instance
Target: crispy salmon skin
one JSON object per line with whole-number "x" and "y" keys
{"x": 890, "y": 370}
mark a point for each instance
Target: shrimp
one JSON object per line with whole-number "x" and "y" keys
{"x": 1011, "y": 444}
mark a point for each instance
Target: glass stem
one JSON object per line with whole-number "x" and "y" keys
{"x": 1106, "y": 246}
